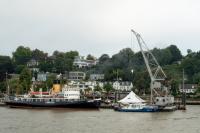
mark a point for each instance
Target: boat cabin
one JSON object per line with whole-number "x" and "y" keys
{"x": 71, "y": 92}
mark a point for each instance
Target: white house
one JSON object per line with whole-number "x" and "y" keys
{"x": 33, "y": 65}
{"x": 41, "y": 77}
{"x": 188, "y": 88}
{"x": 96, "y": 76}
{"x": 91, "y": 84}
{"x": 122, "y": 86}
{"x": 76, "y": 75}
{"x": 80, "y": 62}
{"x": 84, "y": 85}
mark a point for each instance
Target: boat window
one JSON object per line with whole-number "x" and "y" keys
{"x": 163, "y": 100}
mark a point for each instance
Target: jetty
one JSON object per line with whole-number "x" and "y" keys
{"x": 2, "y": 102}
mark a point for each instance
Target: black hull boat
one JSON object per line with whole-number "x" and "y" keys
{"x": 51, "y": 103}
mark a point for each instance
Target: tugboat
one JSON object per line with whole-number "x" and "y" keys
{"x": 68, "y": 97}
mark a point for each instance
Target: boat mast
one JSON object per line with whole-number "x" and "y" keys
{"x": 8, "y": 87}
{"x": 184, "y": 92}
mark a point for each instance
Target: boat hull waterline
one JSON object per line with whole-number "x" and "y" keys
{"x": 69, "y": 104}
{"x": 145, "y": 109}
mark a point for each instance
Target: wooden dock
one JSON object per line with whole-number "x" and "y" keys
{"x": 2, "y": 102}
{"x": 189, "y": 102}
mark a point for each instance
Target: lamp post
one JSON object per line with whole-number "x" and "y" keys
{"x": 132, "y": 71}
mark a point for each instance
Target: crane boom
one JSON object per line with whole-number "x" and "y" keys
{"x": 155, "y": 71}
{"x": 151, "y": 64}
{"x": 145, "y": 59}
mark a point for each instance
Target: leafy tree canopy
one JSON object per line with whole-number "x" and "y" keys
{"x": 90, "y": 57}
{"x": 22, "y": 55}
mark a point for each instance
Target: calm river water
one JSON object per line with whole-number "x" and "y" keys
{"x": 97, "y": 121}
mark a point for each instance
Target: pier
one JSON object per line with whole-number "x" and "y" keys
{"x": 2, "y": 102}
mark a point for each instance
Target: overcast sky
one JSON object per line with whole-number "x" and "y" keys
{"x": 98, "y": 26}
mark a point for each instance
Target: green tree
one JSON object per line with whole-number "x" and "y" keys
{"x": 14, "y": 85}
{"x": 47, "y": 65}
{"x": 25, "y": 80}
{"x": 168, "y": 55}
{"x": 196, "y": 78}
{"x": 175, "y": 52}
{"x": 198, "y": 89}
{"x": 3, "y": 87}
{"x": 71, "y": 54}
{"x": 104, "y": 58}
{"x": 69, "y": 59}
{"x": 142, "y": 82}
{"x": 88, "y": 91}
{"x": 189, "y": 51}
{"x": 174, "y": 87}
{"x": 97, "y": 88}
{"x": 22, "y": 55}
{"x": 64, "y": 61}
{"x": 191, "y": 67}
{"x": 39, "y": 55}
{"x": 90, "y": 57}
{"x": 6, "y": 66}
{"x": 122, "y": 59}
{"x": 49, "y": 81}
{"x": 19, "y": 68}
{"x": 108, "y": 88}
